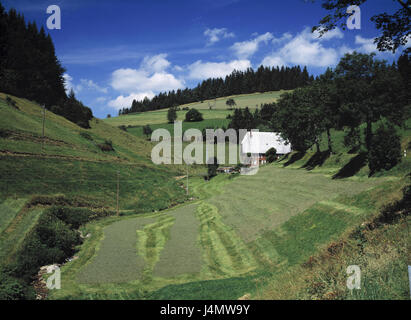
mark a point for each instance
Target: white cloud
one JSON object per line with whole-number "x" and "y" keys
{"x": 367, "y": 45}
{"x": 150, "y": 77}
{"x": 305, "y": 49}
{"x": 132, "y": 80}
{"x": 92, "y": 85}
{"x": 69, "y": 85}
{"x": 245, "y": 49}
{"x": 273, "y": 61}
{"x": 284, "y": 37}
{"x": 332, "y": 34}
{"x": 101, "y": 99}
{"x": 125, "y": 101}
{"x": 215, "y": 35}
{"x": 157, "y": 63}
{"x": 203, "y": 70}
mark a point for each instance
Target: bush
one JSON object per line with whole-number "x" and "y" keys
{"x": 385, "y": 149}
{"x": 12, "y": 288}
{"x": 4, "y": 133}
{"x": 123, "y": 127}
{"x": 106, "y": 146}
{"x": 172, "y": 114}
{"x": 11, "y": 102}
{"x": 212, "y": 167}
{"x": 52, "y": 240}
{"x": 271, "y": 155}
{"x": 147, "y": 130}
{"x": 193, "y": 115}
{"x": 74, "y": 217}
{"x": 86, "y": 135}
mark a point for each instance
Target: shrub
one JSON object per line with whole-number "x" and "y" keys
{"x": 86, "y": 135}
{"x": 230, "y": 103}
{"x": 385, "y": 149}
{"x": 172, "y": 114}
{"x": 271, "y": 155}
{"x": 147, "y": 130}
{"x": 193, "y": 115}
{"x": 353, "y": 139}
{"x": 123, "y": 127}
{"x": 4, "y": 133}
{"x": 106, "y": 146}
{"x": 212, "y": 167}
{"x": 52, "y": 240}
{"x": 11, "y": 102}
{"x": 12, "y": 288}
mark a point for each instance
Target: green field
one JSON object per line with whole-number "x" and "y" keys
{"x": 231, "y": 236}
{"x": 252, "y": 101}
{"x": 160, "y": 117}
{"x": 208, "y": 123}
{"x": 69, "y": 168}
{"x": 296, "y": 212}
{"x": 219, "y": 112}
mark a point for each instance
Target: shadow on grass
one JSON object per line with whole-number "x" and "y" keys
{"x": 317, "y": 159}
{"x": 295, "y": 157}
{"x": 352, "y": 167}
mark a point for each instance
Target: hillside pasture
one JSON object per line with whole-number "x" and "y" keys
{"x": 235, "y": 229}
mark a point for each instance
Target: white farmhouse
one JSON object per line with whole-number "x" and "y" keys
{"x": 258, "y": 143}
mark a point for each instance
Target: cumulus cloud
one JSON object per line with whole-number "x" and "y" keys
{"x": 156, "y": 63}
{"x": 126, "y": 101}
{"x": 273, "y": 61}
{"x": 215, "y": 35}
{"x": 203, "y": 70}
{"x": 367, "y": 45}
{"x": 246, "y": 49}
{"x": 305, "y": 49}
{"x": 69, "y": 85}
{"x": 332, "y": 34}
{"x": 132, "y": 80}
{"x": 90, "y": 84}
{"x": 150, "y": 77}
{"x": 284, "y": 37}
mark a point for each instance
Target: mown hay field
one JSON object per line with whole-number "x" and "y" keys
{"x": 237, "y": 228}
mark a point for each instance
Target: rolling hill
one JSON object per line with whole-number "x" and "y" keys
{"x": 237, "y": 235}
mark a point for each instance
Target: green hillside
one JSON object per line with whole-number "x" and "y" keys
{"x": 68, "y": 167}
{"x": 238, "y": 235}
{"x": 219, "y": 111}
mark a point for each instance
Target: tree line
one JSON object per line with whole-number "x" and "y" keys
{"x": 360, "y": 93}
{"x": 30, "y": 69}
{"x": 238, "y": 82}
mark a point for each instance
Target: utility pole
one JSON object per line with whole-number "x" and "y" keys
{"x": 44, "y": 120}
{"x": 118, "y": 190}
{"x": 187, "y": 179}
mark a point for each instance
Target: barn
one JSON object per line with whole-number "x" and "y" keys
{"x": 258, "y": 143}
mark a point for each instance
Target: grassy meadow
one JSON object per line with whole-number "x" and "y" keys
{"x": 275, "y": 235}
{"x": 220, "y": 111}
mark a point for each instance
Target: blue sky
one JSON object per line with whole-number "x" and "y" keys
{"x": 117, "y": 51}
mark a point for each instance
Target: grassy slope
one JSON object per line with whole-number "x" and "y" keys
{"x": 72, "y": 165}
{"x": 219, "y": 112}
{"x": 240, "y": 261}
